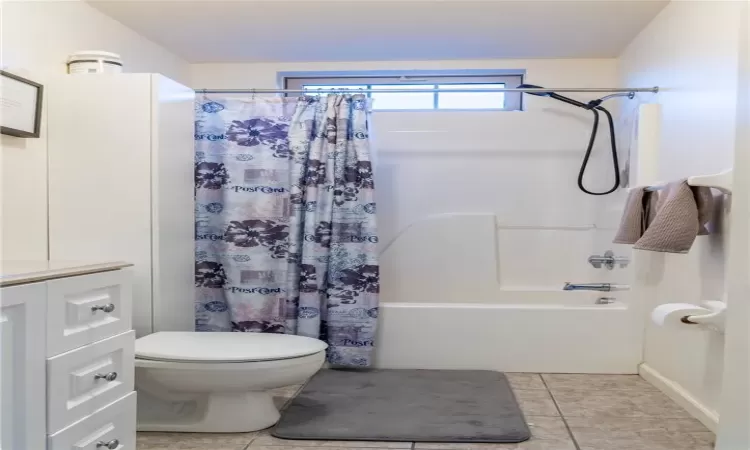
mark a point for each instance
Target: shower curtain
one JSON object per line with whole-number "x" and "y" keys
{"x": 285, "y": 221}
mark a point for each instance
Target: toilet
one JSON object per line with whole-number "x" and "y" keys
{"x": 218, "y": 382}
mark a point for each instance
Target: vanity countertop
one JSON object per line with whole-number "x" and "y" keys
{"x": 20, "y": 272}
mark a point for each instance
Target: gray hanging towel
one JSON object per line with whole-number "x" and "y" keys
{"x": 638, "y": 213}
{"x": 681, "y": 214}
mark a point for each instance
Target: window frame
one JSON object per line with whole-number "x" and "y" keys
{"x": 512, "y": 100}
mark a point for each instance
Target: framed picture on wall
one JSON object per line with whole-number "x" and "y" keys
{"x": 20, "y": 106}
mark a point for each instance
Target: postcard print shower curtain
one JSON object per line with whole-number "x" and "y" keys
{"x": 242, "y": 223}
{"x": 285, "y": 221}
{"x": 333, "y": 266}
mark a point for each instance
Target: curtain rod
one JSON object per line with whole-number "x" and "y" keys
{"x": 653, "y": 90}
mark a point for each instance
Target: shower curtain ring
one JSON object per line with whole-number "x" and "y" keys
{"x": 204, "y": 97}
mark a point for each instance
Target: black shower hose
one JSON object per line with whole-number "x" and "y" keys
{"x": 615, "y": 163}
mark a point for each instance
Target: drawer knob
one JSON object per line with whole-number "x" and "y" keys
{"x": 111, "y": 376}
{"x": 108, "y": 308}
{"x": 112, "y": 445}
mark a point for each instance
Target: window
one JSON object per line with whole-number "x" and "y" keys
{"x": 428, "y": 100}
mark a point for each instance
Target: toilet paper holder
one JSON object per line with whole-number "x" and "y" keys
{"x": 713, "y": 320}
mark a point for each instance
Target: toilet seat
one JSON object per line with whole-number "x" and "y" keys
{"x": 226, "y": 347}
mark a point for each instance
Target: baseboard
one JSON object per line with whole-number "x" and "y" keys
{"x": 707, "y": 416}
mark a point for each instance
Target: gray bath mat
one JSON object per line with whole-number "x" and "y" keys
{"x": 405, "y": 405}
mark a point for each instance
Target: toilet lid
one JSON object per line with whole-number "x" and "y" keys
{"x": 224, "y": 347}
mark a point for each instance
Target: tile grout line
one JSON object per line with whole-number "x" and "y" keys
{"x": 255, "y": 436}
{"x": 562, "y": 416}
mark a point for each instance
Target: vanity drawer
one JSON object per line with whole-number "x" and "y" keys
{"x": 113, "y": 422}
{"x": 86, "y": 379}
{"x": 82, "y": 310}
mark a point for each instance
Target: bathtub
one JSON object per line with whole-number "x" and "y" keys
{"x": 561, "y": 332}
{"x": 466, "y": 291}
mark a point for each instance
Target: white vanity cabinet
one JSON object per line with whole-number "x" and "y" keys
{"x": 67, "y": 354}
{"x": 22, "y": 360}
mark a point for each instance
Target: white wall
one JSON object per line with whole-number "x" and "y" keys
{"x": 36, "y": 39}
{"x": 460, "y": 180}
{"x": 735, "y": 398}
{"x": 691, "y": 50}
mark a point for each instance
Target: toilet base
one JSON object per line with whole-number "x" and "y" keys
{"x": 222, "y": 412}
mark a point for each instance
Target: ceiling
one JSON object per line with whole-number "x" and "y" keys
{"x": 367, "y": 30}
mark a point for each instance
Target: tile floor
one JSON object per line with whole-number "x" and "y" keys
{"x": 564, "y": 412}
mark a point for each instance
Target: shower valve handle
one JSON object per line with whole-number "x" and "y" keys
{"x": 608, "y": 260}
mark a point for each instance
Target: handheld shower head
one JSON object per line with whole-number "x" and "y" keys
{"x": 533, "y": 86}
{"x": 554, "y": 95}
{"x": 594, "y": 106}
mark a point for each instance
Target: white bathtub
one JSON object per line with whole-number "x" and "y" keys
{"x": 560, "y": 332}
{"x": 464, "y": 291}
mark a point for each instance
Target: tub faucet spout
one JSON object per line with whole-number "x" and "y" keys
{"x": 602, "y": 287}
